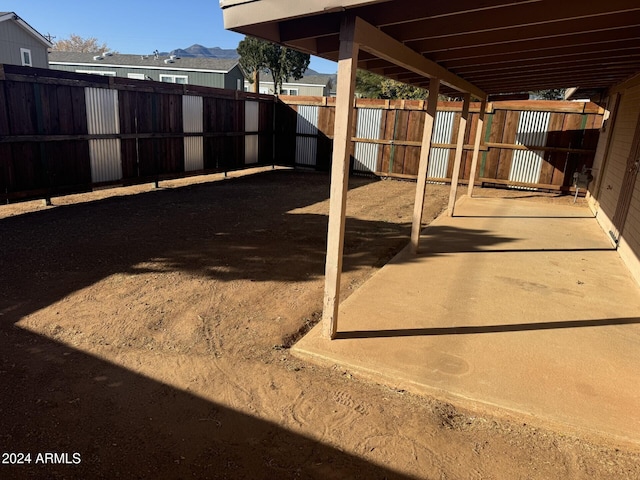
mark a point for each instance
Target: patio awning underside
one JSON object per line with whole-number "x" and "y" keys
{"x": 496, "y": 45}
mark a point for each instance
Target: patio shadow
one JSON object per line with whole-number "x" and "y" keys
{"x": 476, "y": 329}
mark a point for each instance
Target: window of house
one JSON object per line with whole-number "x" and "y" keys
{"x": 289, "y": 91}
{"x": 174, "y": 78}
{"x": 137, "y": 76}
{"x": 97, "y": 72}
{"x": 25, "y": 55}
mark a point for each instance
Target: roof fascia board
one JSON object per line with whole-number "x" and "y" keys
{"x": 242, "y": 13}
{"x": 79, "y": 64}
{"x": 383, "y": 46}
{"x": 27, "y": 27}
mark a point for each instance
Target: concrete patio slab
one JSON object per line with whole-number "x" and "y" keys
{"x": 516, "y": 305}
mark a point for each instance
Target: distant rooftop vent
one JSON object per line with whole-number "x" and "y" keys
{"x": 107, "y": 54}
{"x": 168, "y": 60}
{"x": 98, "y": 57}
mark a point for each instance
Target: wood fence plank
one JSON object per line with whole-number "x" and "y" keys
{"x": 4, "y": 118}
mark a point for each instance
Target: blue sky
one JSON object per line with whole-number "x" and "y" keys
{"x": 136, "y": 26}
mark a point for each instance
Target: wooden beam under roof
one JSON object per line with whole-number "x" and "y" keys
{"x": 530, "y": 14}
{"x": 522, "y": 33}
{"x": 583, "y": 61}
{"x": 602, "y": 50}
{"x": 381, "y": 15}
{"x": 381, "y": 45}
{"x": 541, "y": 71}
{"x": 525, "y": 48}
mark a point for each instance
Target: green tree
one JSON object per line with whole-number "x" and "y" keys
{"x": 393, "y": 89}
{"x": 76, "y": 43}
{"x": 252, "y": 59}
{"x": 371, "y": 85}
{"x": 281, "y": 62}
{"x": 368, "y": 85}
{"x": 551, "y": 94}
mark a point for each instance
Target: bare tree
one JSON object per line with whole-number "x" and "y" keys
{"x": 76, "y": 43}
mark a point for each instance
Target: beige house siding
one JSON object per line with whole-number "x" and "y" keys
{"x": 606, "y": 200}
{"x": 622, "y": 136}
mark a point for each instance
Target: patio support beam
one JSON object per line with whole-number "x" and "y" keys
{"x": 462, "y": 127}
{"x": 425, "y": 150}
{"x": 383, "y": 46}
{"x": 347, "y": 63}
{"x": 476, "y": 147}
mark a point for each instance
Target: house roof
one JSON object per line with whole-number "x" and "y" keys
{"x": 202, "y": 64}
{"x": 497, "y": 46}
{"x": 6, "y": 16}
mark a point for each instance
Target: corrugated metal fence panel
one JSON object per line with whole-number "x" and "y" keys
{"x": 251, "y": 124}
{"x": 307, "y": 124}
{"x": 439, "y": 157}
{"x": 438, "y": 163}
{"x": 192, "y": 114}
{"x": 102, "y": 111}
{"x": 532, "y": 131}
{"x": 103, "y": 118}
{"x": 106, "y": 165}
{"x": 193, "y": 157}
{"x": 368, "y": 126}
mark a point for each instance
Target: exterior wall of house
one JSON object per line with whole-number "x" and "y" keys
{"x": 205, "y": 79}
{"x": 614, "y": 161}
{"x": 13, "y": 38}
{"x": 303, "y": 89}
{"x": 234, "y": 80}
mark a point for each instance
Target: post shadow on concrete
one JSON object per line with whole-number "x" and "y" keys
{"x": 481, "y": 329}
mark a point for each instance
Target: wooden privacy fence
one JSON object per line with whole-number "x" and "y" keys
{"x": 63, "y": 132}
{"x": 526, "y": 143}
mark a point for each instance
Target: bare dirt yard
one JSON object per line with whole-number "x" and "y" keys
{"x": 144, "y": 333}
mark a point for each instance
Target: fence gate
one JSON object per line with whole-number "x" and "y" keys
{"x": 103, "y": 119}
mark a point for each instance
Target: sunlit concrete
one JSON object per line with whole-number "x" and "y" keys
{"x": 512, "y": 306}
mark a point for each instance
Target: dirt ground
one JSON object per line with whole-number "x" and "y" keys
{"x": 147, "y": 330}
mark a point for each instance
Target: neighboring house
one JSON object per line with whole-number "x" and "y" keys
{"x": 208, "y": 72}
{"x": 21, "y": 44}
{"x": 312, "y": 85}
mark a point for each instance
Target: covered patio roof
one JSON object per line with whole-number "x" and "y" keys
{"x": 498, "y": 46}
{"x": 474, "y": 47}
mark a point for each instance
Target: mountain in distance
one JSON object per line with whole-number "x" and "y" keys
{"x": 201, "y": 51}
{"x": 196, "y": 50}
